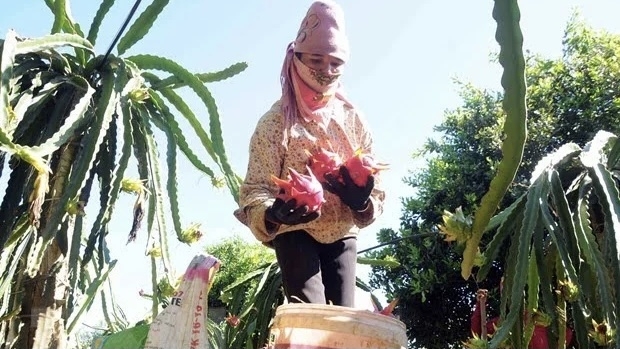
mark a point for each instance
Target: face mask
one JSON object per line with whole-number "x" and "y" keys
{"x": 317, "y": 80}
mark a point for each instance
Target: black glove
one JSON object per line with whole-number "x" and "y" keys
{"x": 352, "y": 195}
{"x": 285, "y": 213}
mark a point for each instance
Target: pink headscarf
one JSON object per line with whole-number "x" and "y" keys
{"x": 322, "y": 31}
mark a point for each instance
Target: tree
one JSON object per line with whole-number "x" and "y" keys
{"x": 70, "y": 121}
{"x": 238, "y": 258}
{"x": 433, "y": 297}
{"x": 569, "y": 100}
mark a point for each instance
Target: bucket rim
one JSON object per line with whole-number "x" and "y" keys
{"x": 338, "y": 310}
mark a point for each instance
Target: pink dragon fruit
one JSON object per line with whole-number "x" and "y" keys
{"x": 361, "y": 165}
{"x": 387, "y": 311}
{"x": 306, "y": 189}
{"x": 322, "y": 162}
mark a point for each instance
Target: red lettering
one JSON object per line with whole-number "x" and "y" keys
{"x": 199, "y": 308}
{"x": 195, "y": 342}
{"x": 196, "y": 324}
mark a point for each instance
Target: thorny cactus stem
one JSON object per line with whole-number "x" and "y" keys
{"x": 561, "y": 305}
{"x": 483, "y": 318}
{"x": 44, "y": 303}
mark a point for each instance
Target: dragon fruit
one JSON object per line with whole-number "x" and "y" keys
{"x": 361, "y": 165}
{"x": 305, "y": 189}
{"x": 388, "y": 310}
{"x": 323, "y": 161}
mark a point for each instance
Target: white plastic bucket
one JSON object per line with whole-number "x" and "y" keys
{"x": 318, "y": 326}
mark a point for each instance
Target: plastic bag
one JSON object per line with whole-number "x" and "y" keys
{"x": 182, "y": 325}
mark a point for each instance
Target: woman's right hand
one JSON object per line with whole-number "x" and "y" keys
{"x": 282, "y": 212}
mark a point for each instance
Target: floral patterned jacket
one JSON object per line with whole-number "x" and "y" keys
{"x": 273, "y": 150}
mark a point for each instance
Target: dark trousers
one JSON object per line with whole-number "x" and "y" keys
{"x": 313, "y": 272}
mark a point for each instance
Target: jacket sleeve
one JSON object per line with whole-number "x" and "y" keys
{"x": 257, "y": 192}
{"x": 377, "y": 196}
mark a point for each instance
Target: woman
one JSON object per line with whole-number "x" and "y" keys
{"x": 316, "y": 251}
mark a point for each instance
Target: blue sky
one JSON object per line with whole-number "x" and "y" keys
{"x": 404, "y": 57}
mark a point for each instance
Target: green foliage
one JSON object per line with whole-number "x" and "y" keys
{"x": 68, "y": 121}
{"x": 569, "y": 100}
{"x": 238, "y": 258}
{"x": 252, "y": 299}
{"x": 434, "y": 300}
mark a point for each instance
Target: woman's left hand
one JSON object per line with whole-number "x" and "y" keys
{"x": 352, "y": 195}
